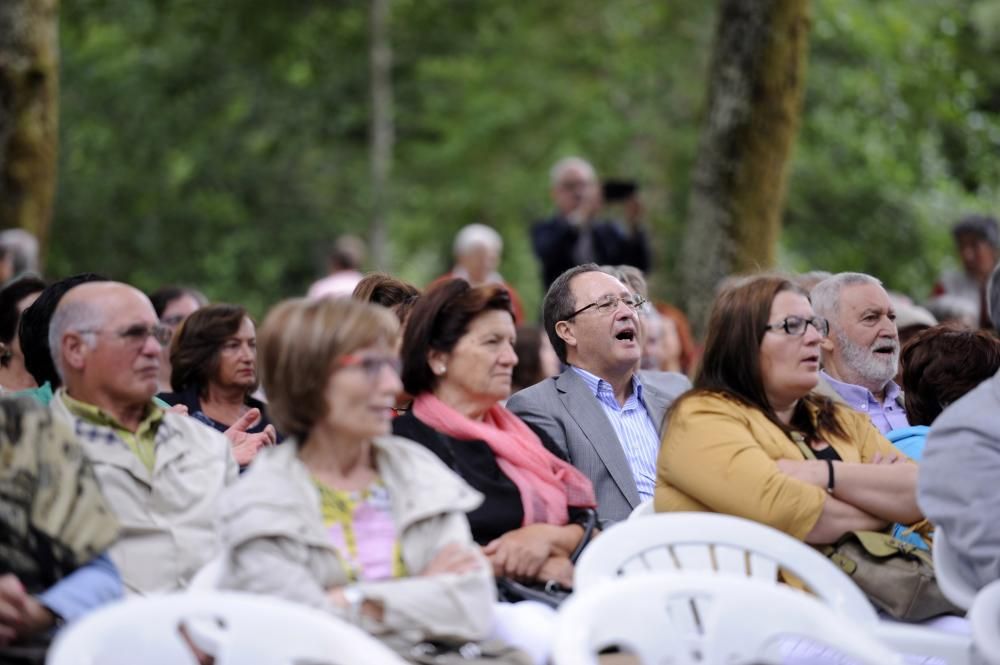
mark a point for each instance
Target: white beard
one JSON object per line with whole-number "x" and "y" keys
{"x": 865, "y": 362}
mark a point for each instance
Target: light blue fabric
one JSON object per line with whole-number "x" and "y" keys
{"x": 910, "y": 440}
{"x": 43, "y": 393}
{"x": 635, "y": 429}
{"x": 84, "y": 589}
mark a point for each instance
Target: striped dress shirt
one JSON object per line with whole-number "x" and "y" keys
{"x": 635, "y": 429}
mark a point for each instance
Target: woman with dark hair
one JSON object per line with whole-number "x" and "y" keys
{"x": 15, "y": 297}
{"x": 213, "y": 358}
{"x": 458, "y": 358}
{"x": 739, "y": 442}
{"x": 382, "y": 289}
{"x": 940, "y": 364}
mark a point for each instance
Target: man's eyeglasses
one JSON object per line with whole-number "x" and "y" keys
{"x": 796, "y": 325}
{"x": 138, "y": 334}
{"x": 372, "y": 365}
{"x": 610, "y": 304}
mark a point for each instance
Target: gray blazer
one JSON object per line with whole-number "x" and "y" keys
{"x": 568, "y": 412}
{"x": 959, "y": 477}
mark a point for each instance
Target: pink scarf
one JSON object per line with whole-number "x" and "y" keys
{"x": 548, "y": 485}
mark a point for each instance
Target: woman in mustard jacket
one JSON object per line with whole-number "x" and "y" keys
{"x": 731, "y": 443}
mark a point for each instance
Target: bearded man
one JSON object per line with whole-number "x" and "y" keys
{"x": 861, "y": 353}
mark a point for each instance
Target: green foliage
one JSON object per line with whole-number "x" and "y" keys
{"x": 898, "y": 138}
{"x": 224, "y": 144}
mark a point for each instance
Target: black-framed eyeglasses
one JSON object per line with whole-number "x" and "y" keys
{"x": 138, "y": 334}
{"x": 610, "y": 304}
{"x": 796, "y": 325}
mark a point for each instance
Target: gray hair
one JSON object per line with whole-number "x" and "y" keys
{"x": 993, "y": 298}
{"x": 825, "y": 296}
{"x": 73, "y": 316}
{"x": 559, "y": 303}
{"x": 631, "y": 277}
{"x": 23, "y": 247}
{"x": 567, "y": 163}
{"x": 476, "y": 235}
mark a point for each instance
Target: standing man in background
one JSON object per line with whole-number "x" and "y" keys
{"x": 574, "y": 235}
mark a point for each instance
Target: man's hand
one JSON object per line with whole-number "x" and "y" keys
{"x": 452, "y": 558}
{"x": 520, "y": 553}
{"x": 245, "y": 445}
{"x": 21, "y": 614}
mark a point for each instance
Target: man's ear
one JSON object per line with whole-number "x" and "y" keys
{"x": 826, "y": 344}
{"x": 565, "y": 332}
{"x": 73, "y": 351}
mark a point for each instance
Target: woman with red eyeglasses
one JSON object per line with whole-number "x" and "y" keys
{"x": 344, "y": 516}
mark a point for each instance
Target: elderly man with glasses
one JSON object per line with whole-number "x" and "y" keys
{"x": 162, "y": 473}
{"x": 606, "y": 416}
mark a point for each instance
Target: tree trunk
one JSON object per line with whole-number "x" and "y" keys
{"x": 29, "y": 113}
{"x": 738, "y": 186}
{"x": 382, "y": 131}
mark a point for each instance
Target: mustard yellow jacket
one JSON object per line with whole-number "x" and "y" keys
{"x": 719, "y": 456}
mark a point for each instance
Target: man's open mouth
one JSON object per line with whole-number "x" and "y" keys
{"x": 627, "y": 335}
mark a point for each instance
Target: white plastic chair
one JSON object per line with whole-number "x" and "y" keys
{"x": 732, "y": 546}
{"x": 644, "y": 509}
{"x": 985, "y": 619}
{"x": 705, "y": 619}
{"x": 950, "y": 572}
{"x": 245, "y": 628}
{"x": 709, "y": 542}
{"x": 208, "y": 576}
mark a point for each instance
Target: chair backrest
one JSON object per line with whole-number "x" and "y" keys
{"x": 723, "y": 544}
{"x": 642, "y": 510}
{"x": 950, "y": 572}
{"x": 209, "y": 576}
{"x": 656, "y": 617}
{"x": 985, "y": 620}
{"x": 241, "y": 628}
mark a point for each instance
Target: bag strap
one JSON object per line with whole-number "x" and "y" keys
{"x": 800, "y": 441}
{"x": 588, "y": 531}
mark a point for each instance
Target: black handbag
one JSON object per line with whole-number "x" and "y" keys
{"x": 550, "y": 593}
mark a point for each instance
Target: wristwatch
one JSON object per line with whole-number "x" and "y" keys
{"x": 355, "y": 599}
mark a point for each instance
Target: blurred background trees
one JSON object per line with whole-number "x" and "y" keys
{"x": 226, "y": 144}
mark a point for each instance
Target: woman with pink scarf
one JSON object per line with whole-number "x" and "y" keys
{"x": 458, "y": 356}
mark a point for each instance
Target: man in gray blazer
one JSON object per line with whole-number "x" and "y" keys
{"x": 606, "y": 416}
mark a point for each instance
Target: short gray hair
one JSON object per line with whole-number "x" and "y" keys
{"x": 631, "y": 277}
{"x": 559, "y": 303}
{"x": 825, "y": 296}
{"x": 73, "y": 316}
{"x": 567, "y": 163}
{"x": 993, "y": 298}
{"x": 476, "y": 235}
{"x": 23, "y": 246}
